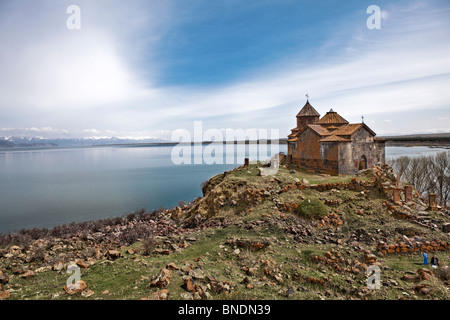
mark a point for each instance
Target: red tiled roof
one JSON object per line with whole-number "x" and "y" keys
{"x": 308, "y": 111}
{"x": 332, "y": 118}
{"x": 349, "y": 129}
{"x": 293, "y": 134}
{"x": 334, "y": 138}
{"x": 331, "y": 127}
{"x": 321, "y": 131}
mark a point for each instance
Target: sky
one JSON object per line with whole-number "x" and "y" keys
{"x": 140, "y": 69}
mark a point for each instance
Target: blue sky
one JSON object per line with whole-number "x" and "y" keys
{"x": 145, "y": 68}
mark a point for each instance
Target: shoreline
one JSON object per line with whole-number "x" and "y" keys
{"x": 415, "y": 143}
{"x": 412, "y": 143}
{"x": 389, "y": 143}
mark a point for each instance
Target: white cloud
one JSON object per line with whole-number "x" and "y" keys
{"x": 89, "y": 79}
{"x": 34, "y": 131}
{"x": 52, "y": 75}
{"x": 69, "y": 73}
{"x": 93, "y": 131}
{"x": 402, "y": 69}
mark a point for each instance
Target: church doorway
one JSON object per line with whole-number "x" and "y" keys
{"x": 363, "y": 163}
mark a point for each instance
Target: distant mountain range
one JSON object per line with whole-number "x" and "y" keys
{"x": 37, "y": 142}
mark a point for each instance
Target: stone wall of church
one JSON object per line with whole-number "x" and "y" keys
{"x": 329, "y": 154}
{"x": 365, "y": 151}
{"x": 345, "y": 158}
{"x": 311, "y": 154}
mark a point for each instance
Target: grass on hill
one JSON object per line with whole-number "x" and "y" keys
{"x": 283, "y": 270}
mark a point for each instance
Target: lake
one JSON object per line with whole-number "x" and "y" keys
{"x": 48, "y": 187}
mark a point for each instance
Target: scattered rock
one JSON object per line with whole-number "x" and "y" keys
{"x": 290, "y": 292}
{"x": 410, "y": 277}
{"x": 249, "y": 271}
{"x": 393, "y": 282}
{"x": 42, "y": 269}
{"x": 15, "y": 250}
{"x": 3, "y": 278}
{"x": 87, "y": 294}
{"x": 188, "y": 284}
{"x": 4, "y": 295}
{"x": 425, "y": 274}
{"x": 162, "y": 279}
{"x": 28, "y": 274}
{"x": 82, "y": 264}
{"x": 186, "y": 296}
{"x": 422, "y": 289}
{"x": 162, "y": 251}
{"x": 172, "y": 266}
{"x": 420, "y": 275}
{"x": 58, "y": 266}
{"x": 158, "y": 295}
{"x": 370, "y": 258}
{"x": 113, "y": 254}
{"x": 78, "y": 287}
{"x": 98, "y": 254}
{"x": 197, "y": 273}
{"x": 54, "y": 295}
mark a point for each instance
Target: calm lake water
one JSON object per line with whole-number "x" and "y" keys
{"x": 45, "y": 188}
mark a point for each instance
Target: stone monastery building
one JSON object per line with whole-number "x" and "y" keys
{"x": 332, "y": 145}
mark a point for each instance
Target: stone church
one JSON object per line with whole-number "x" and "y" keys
{"x": 330, "y": 144}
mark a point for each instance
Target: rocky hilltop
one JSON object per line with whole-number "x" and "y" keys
{"x": 291, "y": 235}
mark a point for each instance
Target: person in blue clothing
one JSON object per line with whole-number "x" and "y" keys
{"x": 425, "y": 258}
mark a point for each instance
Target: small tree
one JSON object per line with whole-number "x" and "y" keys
{"x": 441, "y": 174}
{"x": 428, "y": 174}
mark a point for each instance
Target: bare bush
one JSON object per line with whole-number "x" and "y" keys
{"x": 38, "y": 255}
{"x": 440, "y": 170}
{"x": 148, "y": 245}
{"x": 428, "y": 174}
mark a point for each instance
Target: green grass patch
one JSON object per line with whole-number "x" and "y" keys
{"x": 312, "y": 208}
